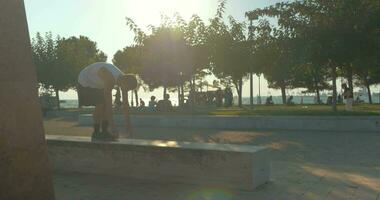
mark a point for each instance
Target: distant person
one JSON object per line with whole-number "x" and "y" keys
{"x": 142, "y": 103}
{"x": 358, "y": 100}
{"x": 96, "y": 82}
{"x": 258, "y": 99}
{"x": 348, "y": 96}
{"x": 289, "y": 101}
{"x": 219, "y": 97}
{"x": 228, "y": 97}
{"x": 152, "y": 103}
{"x": 117, "y": 96}
{"x": 44, "y": 101}
{"x": 340, "y": 99}
{"x": 329, "y": 100}
{"x": 165, "y": 105}
{"x": 269, "y": 100}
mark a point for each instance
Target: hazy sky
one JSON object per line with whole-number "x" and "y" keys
{"x": 104, "y": 21}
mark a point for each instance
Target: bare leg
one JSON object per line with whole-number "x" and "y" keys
{"x": 104, "y": 119}
{"x": 98, "y": 117}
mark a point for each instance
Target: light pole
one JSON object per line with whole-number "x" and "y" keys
{"x": 259, "y": 100}
{"x": 251, "y": 73}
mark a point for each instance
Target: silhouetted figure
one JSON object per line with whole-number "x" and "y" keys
{"x": 96, "y": 82}
{"x": 348, "y": 96}
{"x": 340, "y": 99}
{"x": 152, "y": 103}
{"x": 142, "y": 103}
{"x": 358, "y": 100}
{"x": 228, "y": 97}
{"x": 164, "y": 105}
{"x": 210, "y": 97}
{"x": 269, "y": 100}
{"x": 329, "y": 100}
{"x": 290, "y": 101}
{"x": 219, "y": 97}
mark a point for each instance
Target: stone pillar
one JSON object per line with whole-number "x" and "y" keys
{"x": 24, "y": 167}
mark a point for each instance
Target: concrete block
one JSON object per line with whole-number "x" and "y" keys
{"x": 214, "y": 165}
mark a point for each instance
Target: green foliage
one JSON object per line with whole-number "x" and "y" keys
{"x": 325, "y": 35}
{"x": 166, "y": 58}
{"x": 230, "y": 51}
{"x": 50, "y": 73}
{"x": 60, "y": 60}
{"x": 76, "y": 53}
{"x": 172, "y": 53}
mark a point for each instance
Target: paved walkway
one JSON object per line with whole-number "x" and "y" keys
{"x": 306, "y": 165}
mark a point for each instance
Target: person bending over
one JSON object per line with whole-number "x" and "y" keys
{"x": 96, "y": 82}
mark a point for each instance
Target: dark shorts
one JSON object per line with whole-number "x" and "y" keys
{"x": 90, "y": 96}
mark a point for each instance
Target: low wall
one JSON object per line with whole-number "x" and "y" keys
{"x": 311, "y": 123}
{"x": 214, "y": 165}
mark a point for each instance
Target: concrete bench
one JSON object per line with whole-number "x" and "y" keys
{"x": 214, "y": 165}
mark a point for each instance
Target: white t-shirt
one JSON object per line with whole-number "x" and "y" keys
{"x": 89, "y": 77}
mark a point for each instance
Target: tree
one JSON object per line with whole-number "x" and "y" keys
{"x": 196, "y": 39}
{"x": 230, "y": 51}
{"x": 336, "y": 31}
{"x": 167, "y": 56}
{"x": 50, "y": 74}
{"x": 275, "y": 51}
{"x": 73, "y": 54}
{"x": 368, "y": 73}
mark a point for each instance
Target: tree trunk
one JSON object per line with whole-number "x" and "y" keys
{"x": 334, "y": 107}
{"x": 251, "y": 89}
{"x": 179, "y": 96}
{"x": 182, "y": 95}
{"x": 57, "y": 99}
{"x": 136, "y": 98}
{"x": 194, "y": 86}
{"x": 126, "y": 98}
{"x": 369, "y": 92}
{"x": 192, "y": 94}
{"x": 164, "y": 93}
{"x": 317, "y": 91}
{"x": 318, "y": 96}
{"x": 260, "y": 89}
{"x": 132, "y": 103}
{"x": 241, "y": 92}
{"x": 350, "y": 79}
{"x": 283, "y": 93}
{"x": 79, "y": 106}
{"x": 239, "y": 89}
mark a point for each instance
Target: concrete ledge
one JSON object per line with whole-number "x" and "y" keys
{"x": 299, "y": 123}
{"x": 220, "y": 165}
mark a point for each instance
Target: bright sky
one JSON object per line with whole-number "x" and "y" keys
{"x": 104, "y": 21}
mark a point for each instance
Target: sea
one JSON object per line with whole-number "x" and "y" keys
{"x": 73, "y": 103}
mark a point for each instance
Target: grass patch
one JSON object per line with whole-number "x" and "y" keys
{"x": 297, "y": 110}
{"x": 261, "y": 110}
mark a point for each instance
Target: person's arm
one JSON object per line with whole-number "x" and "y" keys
{"x": 128, "y": 124}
